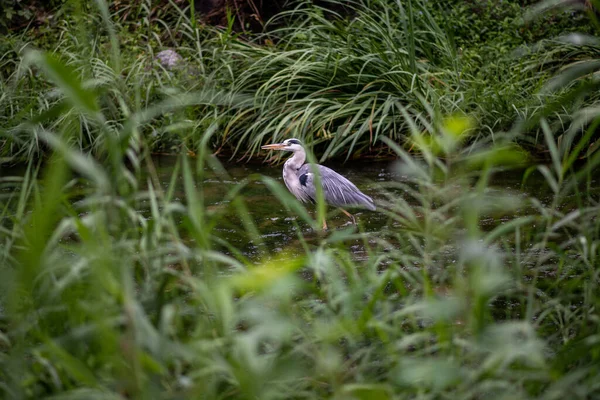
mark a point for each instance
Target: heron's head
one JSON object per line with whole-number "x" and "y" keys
{"x": 287, "y": 145}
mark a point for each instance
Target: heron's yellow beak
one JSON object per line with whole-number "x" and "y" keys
{"x": 274, "y": 146}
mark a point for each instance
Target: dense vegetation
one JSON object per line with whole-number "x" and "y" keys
{"x": 339, "y": 78}
{"x": 116, "y": 284}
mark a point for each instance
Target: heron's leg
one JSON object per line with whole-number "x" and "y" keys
{"x": 324, "y": 224}
{"x": 350, "y": 215}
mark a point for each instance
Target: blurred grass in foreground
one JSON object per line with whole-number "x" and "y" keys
{"x": 99, "y": 301}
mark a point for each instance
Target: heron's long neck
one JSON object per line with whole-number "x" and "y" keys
{"x": 297, "y": 160}
{"x": 291, "y": 174}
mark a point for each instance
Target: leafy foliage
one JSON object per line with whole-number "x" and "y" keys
{"x": 119, "y": 284}
{"x": 341, "y": 78}
{"x": 100, "y": 300}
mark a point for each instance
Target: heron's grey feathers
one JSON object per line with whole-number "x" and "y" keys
{"x": 337, "y": 190}
{"x": 300, "y": 180}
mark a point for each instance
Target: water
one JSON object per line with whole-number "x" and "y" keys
{"x": 281, "y": 230}
{"x": 278, "y": 227}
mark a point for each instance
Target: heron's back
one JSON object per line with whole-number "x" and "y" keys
{"x": 337, "y": 190}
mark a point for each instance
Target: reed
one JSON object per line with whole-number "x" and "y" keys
{"x": 340, "y": 82}
{"x": 117, "y": 284}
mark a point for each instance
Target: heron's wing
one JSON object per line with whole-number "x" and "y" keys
{"x": 337, "y": 190}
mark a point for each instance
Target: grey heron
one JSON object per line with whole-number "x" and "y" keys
{"x": 300, "y": 181}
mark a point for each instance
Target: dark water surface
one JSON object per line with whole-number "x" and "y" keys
{"x": 278, "y": 228}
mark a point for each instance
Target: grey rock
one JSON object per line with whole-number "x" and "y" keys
{"x": 169, "y": 58}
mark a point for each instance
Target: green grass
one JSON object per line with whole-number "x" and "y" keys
{"x": 346, "y": 83}
{"x": 99, "y": 301}
{"x": 117, "y": 284}
{"x": 340, "y": 82}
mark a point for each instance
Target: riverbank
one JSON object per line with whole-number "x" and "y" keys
{"x": 339, "y": 82}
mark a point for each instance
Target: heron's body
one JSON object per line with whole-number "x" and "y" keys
{"x": 301, "y": 182}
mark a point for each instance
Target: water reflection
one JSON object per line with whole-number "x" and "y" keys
{"x": 281, "y": 231}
